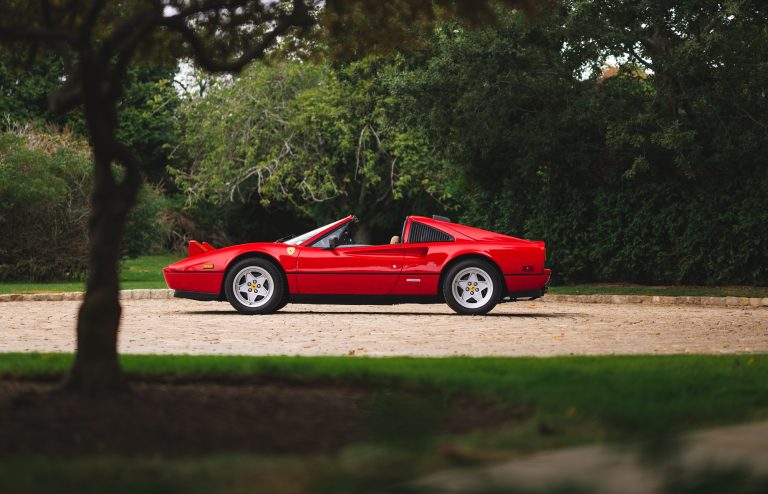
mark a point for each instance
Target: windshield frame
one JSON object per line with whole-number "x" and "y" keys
{"x": 306, "y": 238}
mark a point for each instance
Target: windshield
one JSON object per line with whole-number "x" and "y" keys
{"x": 306, "y": 236}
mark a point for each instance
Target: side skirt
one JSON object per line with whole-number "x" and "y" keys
{"x": 201, "y": 296}
{"x": 363, "y": 299}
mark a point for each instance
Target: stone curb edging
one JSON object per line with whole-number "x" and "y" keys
{"x": 56, "y": 297}
{"x": 660, "y": 300}
{"x": 584, "y": 299}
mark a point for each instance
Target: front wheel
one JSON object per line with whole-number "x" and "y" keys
{"x": 254, "y": 286}
{"x": 472, "y": 287}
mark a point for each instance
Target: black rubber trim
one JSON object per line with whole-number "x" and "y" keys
{"x": 527, "y": 295}
{"x": 526, "y": 274}
{"x": 364, "y": 299}
{"x": 201, "y": 296}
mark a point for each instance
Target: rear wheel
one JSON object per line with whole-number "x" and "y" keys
{"x": 472, "y": 287}
{"x": 255, "y": 286}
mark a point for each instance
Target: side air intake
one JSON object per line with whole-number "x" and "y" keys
{"x": 421, "y": 233}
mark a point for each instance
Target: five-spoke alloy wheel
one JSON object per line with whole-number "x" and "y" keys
{"x": 472, "y": 286}
{"x": 255, "y": 286}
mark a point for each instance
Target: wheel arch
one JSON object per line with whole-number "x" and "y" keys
{"x": 467, "y": 256}
{"x": 252, "y": 255}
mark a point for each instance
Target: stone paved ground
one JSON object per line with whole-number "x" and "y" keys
{"x": 524, "y": 328}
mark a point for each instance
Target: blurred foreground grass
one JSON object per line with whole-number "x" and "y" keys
{"x": 572, "y": 400}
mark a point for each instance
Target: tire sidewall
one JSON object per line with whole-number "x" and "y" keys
{"x": 450, "y": 297}
{"x": 278, "y": 295}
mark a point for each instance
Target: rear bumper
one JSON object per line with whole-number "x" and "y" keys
{"x": 527, "y": 286}
{"x": 527, "y": 282}
{"x": 526, "y": 295}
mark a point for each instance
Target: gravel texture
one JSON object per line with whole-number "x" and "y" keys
{"x": 543, "y": 327}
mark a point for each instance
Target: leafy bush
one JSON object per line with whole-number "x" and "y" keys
{"x": 44, "y": 189}
{"x": 147, "y": 230}
{"x": 45, "y": 186}
{"x": 657, "y": 232}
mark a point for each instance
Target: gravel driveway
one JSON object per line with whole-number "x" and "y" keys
{"x": 524, "y": 328}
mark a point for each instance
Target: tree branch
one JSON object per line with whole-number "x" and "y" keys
{"x": 90, "y": 20}
{"x": 300, "y": 17}
{"x": 16, "y": 33}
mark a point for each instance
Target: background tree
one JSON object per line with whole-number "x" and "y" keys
{"x": 310, "y": 137}
{"x": 651, "y": 171}
{"x": 100, "y": 40}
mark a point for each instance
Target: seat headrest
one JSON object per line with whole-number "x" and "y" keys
{"x": 395, "y": 239}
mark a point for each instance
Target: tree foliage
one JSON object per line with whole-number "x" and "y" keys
{"x": 311, "y": 137}
{"x": 652, "y": 171}
{"x": 45, "y": 188}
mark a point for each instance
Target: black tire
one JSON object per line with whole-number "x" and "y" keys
{"x": 278, "y": 290}
{"x": 283, "y": 303}
{"x": 489, "y": 275}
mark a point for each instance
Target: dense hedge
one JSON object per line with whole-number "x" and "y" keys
{"x": 654, "y": 171}
{"x": 670, "y": 232}
{"x": 45, "y": 185}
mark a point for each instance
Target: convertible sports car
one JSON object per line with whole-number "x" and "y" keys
{"x": 432, "y": 261}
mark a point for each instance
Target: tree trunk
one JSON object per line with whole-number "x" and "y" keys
{"x": 96, "y": 369}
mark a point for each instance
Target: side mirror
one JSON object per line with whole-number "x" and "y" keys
{"x": 333, "y": 243}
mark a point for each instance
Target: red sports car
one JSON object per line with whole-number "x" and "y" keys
{"x": 432, "y": 261}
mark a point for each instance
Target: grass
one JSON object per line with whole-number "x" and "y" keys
{"x": 146, "y": 272}
{"x": 631, "y": 396}
{"x": 573, "y": 400}
{"x": 669, "y": 291}
{"x": 139, "y": 273}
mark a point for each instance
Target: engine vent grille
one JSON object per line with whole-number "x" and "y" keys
{"x": 422, "y": 233}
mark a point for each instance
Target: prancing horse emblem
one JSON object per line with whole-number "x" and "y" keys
{"x": 291, "y": 250}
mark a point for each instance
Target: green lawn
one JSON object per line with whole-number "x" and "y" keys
{"x": 572, "y": 400}
{"x": 670, "y": 291}
{"x": 142, "y": 272}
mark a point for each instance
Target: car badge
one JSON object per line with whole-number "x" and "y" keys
{"x": 291, "y": 250}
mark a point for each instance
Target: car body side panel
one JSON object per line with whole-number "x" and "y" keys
{"x": 406, "y": 269}
{"x": 522, "y": 259}
{"x": 369, "y": 270}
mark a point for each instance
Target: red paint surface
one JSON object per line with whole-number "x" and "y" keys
{"x": 400, "y": 269}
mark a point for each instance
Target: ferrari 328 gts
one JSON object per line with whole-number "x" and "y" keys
{"x": 432, "y": 261}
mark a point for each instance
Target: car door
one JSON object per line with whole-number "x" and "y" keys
{"x": 349, "y": 270}
{"x": 424, "y": 253}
